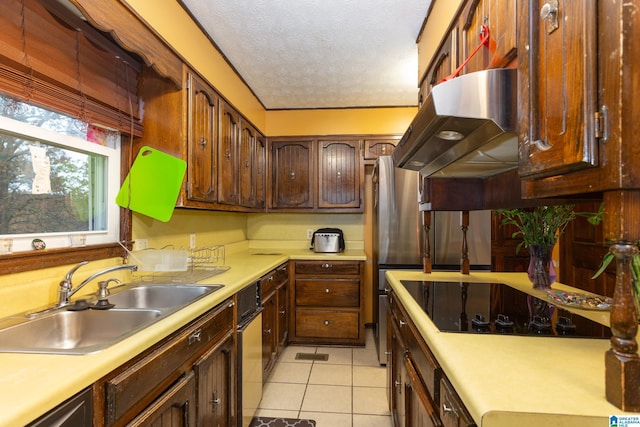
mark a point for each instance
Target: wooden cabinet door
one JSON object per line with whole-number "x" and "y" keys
{"x": 293, "y": 174}
{"x": 202, "y": 140}
{"x": 558, "y": 102}
{"x": 397, "y": 377}
{"x": 283, "y": 315}
{"x": 269, "y": 334}
{"x": 259, "y": 172}
{"x": 453, "y": 412}
{"x": 339, "y": 175}
{"x": 248, "y": 138}
{"x": 175, "y": 408}
{"x": 500, "y": 17}
{"x": 214, "y": 374}
{"x": 420, "y": 409}
{"x": 227, "y": 155}
{"x": 374, "y": 148}
{"x": 252, "y": 167}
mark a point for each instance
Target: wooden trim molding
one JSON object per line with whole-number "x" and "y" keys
{"x": 132, "y": 34}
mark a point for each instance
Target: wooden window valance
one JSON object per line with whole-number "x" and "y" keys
{"x": 51, "y": 57}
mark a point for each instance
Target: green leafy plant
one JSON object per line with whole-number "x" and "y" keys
{"x": 635, "y": 272}
{"x": 543, "y": 225}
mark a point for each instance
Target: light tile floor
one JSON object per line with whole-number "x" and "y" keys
{"x": 347, "y": 390}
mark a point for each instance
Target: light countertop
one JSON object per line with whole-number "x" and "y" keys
{"x": 517, "y": 380}
{"x": 32, "y": 384}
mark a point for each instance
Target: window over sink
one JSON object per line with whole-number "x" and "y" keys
{"x": 58, "y": 179}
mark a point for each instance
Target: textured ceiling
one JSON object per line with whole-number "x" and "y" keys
{"x": 319, "y": 53}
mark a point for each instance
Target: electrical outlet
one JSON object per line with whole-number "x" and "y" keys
{"x": 192, "y": 241}
{"x": 141, "y": 244}
{"x": 310, "y": 233}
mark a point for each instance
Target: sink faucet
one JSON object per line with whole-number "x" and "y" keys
{"x": 66, "y": 290}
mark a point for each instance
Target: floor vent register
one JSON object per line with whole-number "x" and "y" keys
{"x": 312, "y": 356}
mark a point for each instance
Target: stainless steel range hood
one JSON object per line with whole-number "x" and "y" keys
{"x": 465, "y": 128}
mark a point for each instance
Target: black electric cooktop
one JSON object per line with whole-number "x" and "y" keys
{"x": 496, "y": 308}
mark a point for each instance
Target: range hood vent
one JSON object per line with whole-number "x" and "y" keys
{"x": 466, "y": 128}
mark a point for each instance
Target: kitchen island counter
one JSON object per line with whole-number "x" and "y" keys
{"x": 517, "y": 380}
{"x": 32, "y": 384}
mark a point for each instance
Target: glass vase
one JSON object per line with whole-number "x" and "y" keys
{"x": 541, "y": 271}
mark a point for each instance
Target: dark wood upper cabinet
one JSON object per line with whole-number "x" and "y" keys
{"x": 558, "y": 77}
{"x": 339, "y": 174}
{"x": 317, "y": 174}
{"x": 376, "y": 147}
{"x": 292, "y": 171}
{"x": 202, "y": 141}
{"x": 228, "y": 155}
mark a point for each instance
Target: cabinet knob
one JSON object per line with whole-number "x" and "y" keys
{"x": 327, "y": 322}
{"x": 268, "y": 331}
{"x": 227, "y": 154}
{"x": 549, "y": 14}
{"x": 195, "y": 337}
{"x": 203, "y": 142}
{"x": 292, "y": 175}
{"x": 327, "y": 265}
{"x": 326, "y": 291}
{"x": 283, "y": 312}
{"x": 446, "y": 409}
{"x": 339, "y": 174}
{"x": 402, "y": 323}
{"x": 214, "y": 401}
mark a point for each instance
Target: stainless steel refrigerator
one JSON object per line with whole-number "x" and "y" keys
{"x": 398, "y": 236}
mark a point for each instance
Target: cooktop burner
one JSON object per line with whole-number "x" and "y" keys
{"x": 496, "y": 308}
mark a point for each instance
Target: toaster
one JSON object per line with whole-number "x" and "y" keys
{"x": 327, "y": 240}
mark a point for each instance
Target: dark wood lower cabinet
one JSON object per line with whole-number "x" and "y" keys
{"x": 214, "y": 376}
{"x": 188, "y": 375}
{"x": 419, "y": 407}
{"x": 175, "y": 408}
{"x": 275, "y": 316}
{"x": 327, "y": 302}
{"x": 419, "y": 393}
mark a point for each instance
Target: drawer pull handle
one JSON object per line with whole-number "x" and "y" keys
{"x": 326, "y": 291}
{"x": 327, "y": 322}
{"x": 268, "y": 331}
{"x": 283, "y": 312}
{"x": 195, "y": 337}
{"x": 397, "y": 383}
{"x": 446, "y": 409}
{"x": 327, "y": 265}
{"x": 403, "y": 323}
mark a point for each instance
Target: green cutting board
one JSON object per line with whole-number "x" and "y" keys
{"x": 153, "y": 184}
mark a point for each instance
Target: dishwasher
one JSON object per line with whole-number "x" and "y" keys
{"x": 249, "y": 352}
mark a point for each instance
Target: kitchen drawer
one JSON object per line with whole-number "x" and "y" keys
{"x": 282, "y": 274}
{"x": 328, "y": 267}
{"x": 327, "y": 324}
{"x": 140, "y": 383}
{"x": 268, "y": 284}
{"x": 452, "y": 411}
{"x": 322, "y": 292}
{"x": 273, "y": 280}
{"x": 425, "y": 362}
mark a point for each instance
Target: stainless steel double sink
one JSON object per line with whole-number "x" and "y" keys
{"x": 64, "y": 331}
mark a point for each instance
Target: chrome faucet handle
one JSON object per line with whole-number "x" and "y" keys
{"x": 67, "y": 278}
{"x": 64, "y": 291}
